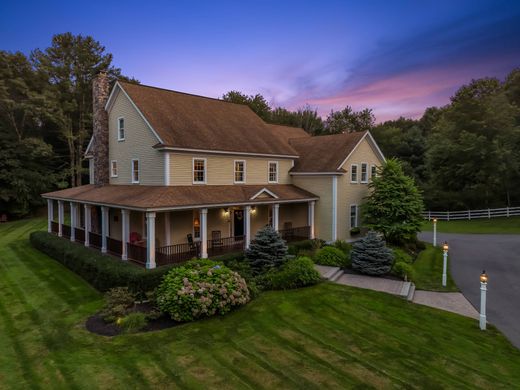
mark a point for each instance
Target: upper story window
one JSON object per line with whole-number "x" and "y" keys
{"x": 273, "y": 172}
{"x": 113, "y": 168}
{"x": 373, "y": 172}
{"x": 354, "y": 173}
{"x": 135, "y": 171}
{"x": 199, "y": 170}
{"x": 364, "y": 173}
{"x": 120, "y": 129}
{"x": 240, "y": 171}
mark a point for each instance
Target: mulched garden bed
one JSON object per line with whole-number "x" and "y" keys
{"x": 97, "y": 325}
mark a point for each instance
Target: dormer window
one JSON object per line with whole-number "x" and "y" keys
{"x": 120, "y": 129}
{"x": 199, "y": 171}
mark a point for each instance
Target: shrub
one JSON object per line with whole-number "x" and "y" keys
{"x": 133, "y": 322}
{"x": 102, "y": 271}
{"x": 295, "y": 273}
{"x": 200, "y": 289}
{"x": 308, "y": 246}
{"x": 332, "y": 256}
{"x": 371, "y": 256}
{"x": 118, "y": 302}
{"x": 355, "y": 231}
{"x": 343, "y": 246}
{"x": 400, "y": 256}
{"x": 403, "y": 270}
{"x": 267, "y": 251}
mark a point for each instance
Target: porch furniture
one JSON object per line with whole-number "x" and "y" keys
{"x": 216, "y": 239}
{"x": 134, "y": 237}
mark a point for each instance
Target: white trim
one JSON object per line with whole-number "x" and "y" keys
{"x": 193, "y": 170}
{"x": 119, "y": 139}
{"x": 91, "y": 168}
{"x": 203, "y": 233}
{"x": 88, "y": 147}
{"x": 247, "y": 225}
{"x": 135, "y": 106}
{"x": 138, "y": 171}
{"x": 373, "y": 170}
{"x": 361, "y": 173}
{"x": 350, "y": 216}
{"x": 235, "y": 171}
{"x": 230, "y": 153}
{"x": 374, "y": 144}
{"x": 310, "y": 218}
{"x": 262, "y": 191}
{"x": 269, "y": 172}
{"x": 357, "y": 173}
{"x": 112, "y": 168}
{"x": 150, "y": 240}
{"x": 316, "y": 173}
{"x": 334, "y": 208}
{"x": 111, "y": 96}
{"x": 166, "y": 169}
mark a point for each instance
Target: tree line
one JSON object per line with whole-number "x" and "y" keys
{"x": 463, "y": 155}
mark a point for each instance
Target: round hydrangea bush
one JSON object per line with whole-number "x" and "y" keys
{"x": 201, "y": 289}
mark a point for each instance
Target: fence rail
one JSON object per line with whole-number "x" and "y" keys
{"x": 220, "y": 246}
{"x": 176, "y": 253}
{"x": 472, "y": 214}
{"x": 295, "y": 234}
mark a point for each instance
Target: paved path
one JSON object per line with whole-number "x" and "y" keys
{"x": 499, "y": 255}
{"x": 449, "y": 301}
{"x": 389, "y": 286}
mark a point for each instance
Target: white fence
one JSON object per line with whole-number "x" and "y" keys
{"x": 472, "y": 214}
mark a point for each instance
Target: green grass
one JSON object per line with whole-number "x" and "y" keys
{"x": 501, "y": 225}
{"x": 428, "y": 271}
{"x": 325, "y": 336}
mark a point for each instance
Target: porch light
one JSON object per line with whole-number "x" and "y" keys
{"x": 225, "y": 211}
{"x": 196, "y": 222}
{"x": 253, "y": 210}
{"x": 483, "y": 277}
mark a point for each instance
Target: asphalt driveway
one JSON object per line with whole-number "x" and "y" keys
{"x": 499, "y": 255}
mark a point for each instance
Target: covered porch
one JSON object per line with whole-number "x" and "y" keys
{"x": 174, "y": 234}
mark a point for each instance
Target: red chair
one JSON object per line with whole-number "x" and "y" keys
{"x": 134, "y": 237}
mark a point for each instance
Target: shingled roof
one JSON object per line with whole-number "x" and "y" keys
{"x": 188, "y": 121}
{"x": 324, "y": 153}
{"x": 177, "y": 197}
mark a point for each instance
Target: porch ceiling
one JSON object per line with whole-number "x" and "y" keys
{"x": 179, "y": 197}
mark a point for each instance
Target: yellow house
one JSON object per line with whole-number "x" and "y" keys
{"x": 174, "y": 175}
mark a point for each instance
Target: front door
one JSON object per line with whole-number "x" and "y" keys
{"x": 238, "y": 223}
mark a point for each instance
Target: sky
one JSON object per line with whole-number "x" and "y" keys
{"x": 395, "y": 57}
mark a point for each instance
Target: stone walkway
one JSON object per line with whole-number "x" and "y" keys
{"x": 453, "y": 302}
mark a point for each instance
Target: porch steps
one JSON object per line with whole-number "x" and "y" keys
{"x": 336, "y": 275}
{"x": 411, "y": 293}
{"x": 407, "y": 291}
{"x": 328, "y": 272}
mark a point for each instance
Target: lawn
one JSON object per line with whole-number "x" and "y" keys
{"x": 501, "y": 225}
{"x": 325, "y": 336}
{"x": 428, "y": 271}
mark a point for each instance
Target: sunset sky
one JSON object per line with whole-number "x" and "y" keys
{"x": 396, "y": 57}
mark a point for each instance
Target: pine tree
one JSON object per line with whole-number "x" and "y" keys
{"x": 371, "y": 256}
{"x": 268, "y": 250}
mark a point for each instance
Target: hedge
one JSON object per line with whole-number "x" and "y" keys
{"x": 103, "y": 272}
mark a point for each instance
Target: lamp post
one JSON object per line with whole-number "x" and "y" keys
{"x": 445, "y": 248}
{"x": 434, "y": 231}
{"x": 483, "y": 290}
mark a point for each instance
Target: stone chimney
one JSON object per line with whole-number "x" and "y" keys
{"x": 100, "y": 93}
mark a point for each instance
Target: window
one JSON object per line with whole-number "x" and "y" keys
{"x": 373, "y": 172}
{"x": 240, "y": 171}
{"x": 120, "y": 129}
{"x": 364, "y": 173}
{"x": 199, "y": 170}
{"x": 353, "y": 173}
{"x": 353, "y": 216}
{"x": 135, "y": 171}
{"x": 113, "y": 168}
{"x": 273, "y": 171}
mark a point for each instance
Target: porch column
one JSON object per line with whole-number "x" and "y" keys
{"x": 167, "y": 229}
{"x": 50, "y": 214}
{"x": 204, "y": 233}
{"x": 247, "y": 225}
{"x": 60, "y": 218}
{"x": 125, "y": 233}
{"x": 150, "y": 240}
{"x": 104, "y": 228}
{"x": 276, "y": 216}
{"x": 88, "y": 223}
{"x": 310, "y": 221}
{"x": 73, "y": 221}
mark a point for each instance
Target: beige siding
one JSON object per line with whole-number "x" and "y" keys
{"x": 138, "y": 144}
{"x": 259, "y": 219}
{"x": 220, "y": 169}
{"x": 321, "y": 186}
{"x": 353, "y": 193}
{"x": 293, "y": 213}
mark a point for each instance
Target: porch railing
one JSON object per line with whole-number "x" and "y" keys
{"x": 176, "y": 253}
{"x": 65, "y": 230}
{"x": 114, "y": 246}
{"x": 95, "y": 240}
{"x": 219, "y": 246}
{"x": 80, "y": 234}
{"x": 54, "y": 227}
{"x": 296, "y": 234}
{"x": 137, "y": 253}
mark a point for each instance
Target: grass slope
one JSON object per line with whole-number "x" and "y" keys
{"x": 428, "y": 271}
{"x": 325, "y": 336}
{"x": 501, "y": 225}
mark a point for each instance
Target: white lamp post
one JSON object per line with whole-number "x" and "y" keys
{"x": 434, "y": 231}
{"x": 444, "y": 263}
{"x": 483, "y": 290}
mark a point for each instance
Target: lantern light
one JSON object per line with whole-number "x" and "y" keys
{"x": 483, "y": 277}
{"x": 445, "y": 246}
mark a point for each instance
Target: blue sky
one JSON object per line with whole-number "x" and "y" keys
{"x": 396, "y": 57}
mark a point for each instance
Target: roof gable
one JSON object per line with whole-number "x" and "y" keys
{"x": 263, "y": 194}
